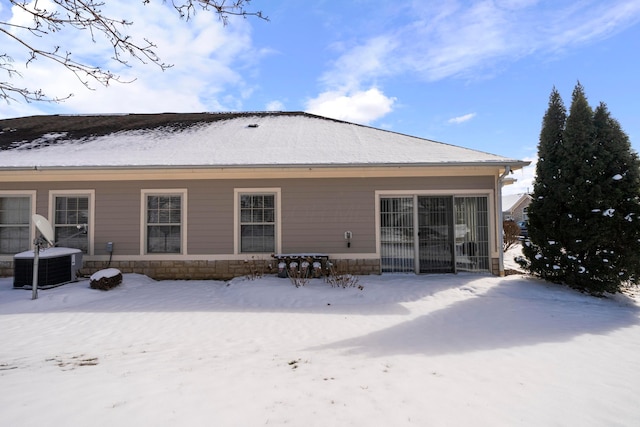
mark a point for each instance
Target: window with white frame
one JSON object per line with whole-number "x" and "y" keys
{"x": 258, "y": 220}
{"x": 164, "y": 223}
{"x": 15, "y": 212}
{"x": 71, "y": 220}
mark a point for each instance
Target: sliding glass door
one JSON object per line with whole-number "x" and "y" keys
{"x": 397, "y": 234}
{"x": 472, "y": 234}
{"x": 434, "y": 234}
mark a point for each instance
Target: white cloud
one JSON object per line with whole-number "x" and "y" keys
{"x": 461, "y": 119}
{"x": 515, "y": 4}
{"x": 455, "y": 40}
{"x": 597, "y": 21}
{"x": 426, "y": 40}
{"x": 207, "y": 55}
{"x": 360, "y": 63}
{"x": 359, "y": 106}
{"x": 275, "y": 106}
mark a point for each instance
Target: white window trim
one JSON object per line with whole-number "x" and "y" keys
{"x": 182, "y": 192}
{"x": 32, "y": 202}
{"x": 236, "y": 217}
{"x": 91, "y": 194}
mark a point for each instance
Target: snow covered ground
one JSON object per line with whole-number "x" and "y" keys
{"x": 407, "y": 350}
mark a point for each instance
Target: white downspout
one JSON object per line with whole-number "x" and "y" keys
{"x": 507, "y": 171}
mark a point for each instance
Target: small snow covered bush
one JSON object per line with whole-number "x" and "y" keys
{"x": 298, "y": 276}
{"x": 257, "y": 268}
{"x": 105, "y": 279}
{"x": 338, "y": 278}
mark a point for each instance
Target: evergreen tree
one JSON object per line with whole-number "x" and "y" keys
{"x": 579, "y": 167}
{"x": 584, "y": 220}
{"x": 540, "y": 249}
{"x": 610, "y": 254}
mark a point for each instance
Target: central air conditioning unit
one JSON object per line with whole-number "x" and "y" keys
{"x": 56, "y": 266}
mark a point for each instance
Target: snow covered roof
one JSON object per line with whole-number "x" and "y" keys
{"x": 218, "y": 140}
{"x": 510, "y": 201}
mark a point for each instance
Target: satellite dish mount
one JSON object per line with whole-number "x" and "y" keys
{"x": 43, "y": 240}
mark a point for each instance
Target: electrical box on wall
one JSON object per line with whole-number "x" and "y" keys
{"x": 347, "y": 237}
{"x": 109, "y": 247}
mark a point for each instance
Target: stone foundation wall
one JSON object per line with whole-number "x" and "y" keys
{"x": 495, "y": 266}
{"x": 6, "y": 268}
{"x": 357, "y": 266}
{"x": 216, "y": 270}
{"x": 206, "y": 270}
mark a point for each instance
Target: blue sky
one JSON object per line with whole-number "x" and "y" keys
{"x": 472, "y": 73}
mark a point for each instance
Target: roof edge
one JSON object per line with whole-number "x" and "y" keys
{"x": 513, "y": 164}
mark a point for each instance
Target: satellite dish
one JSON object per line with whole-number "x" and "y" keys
{"x": 43, "y": 225}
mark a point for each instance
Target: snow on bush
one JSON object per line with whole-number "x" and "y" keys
{"x": 105, "y": 279}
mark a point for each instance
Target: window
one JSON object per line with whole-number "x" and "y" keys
{"x": 258, "y": 222}
{"x": 15, "y": 212}
{"x": 71, "y": 221}
{"x": 163, "y": 223}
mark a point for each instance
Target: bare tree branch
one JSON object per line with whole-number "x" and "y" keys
{"x": 88, "y": 15}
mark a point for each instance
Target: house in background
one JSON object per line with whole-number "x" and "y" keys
{"x": 197, "y": 196}
{"x": 514, "y": 207}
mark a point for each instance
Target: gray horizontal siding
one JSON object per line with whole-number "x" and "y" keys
{"x": 210, "y": 223}
{"x": 117, "y": 218}
{"x": 315, "y": 212}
